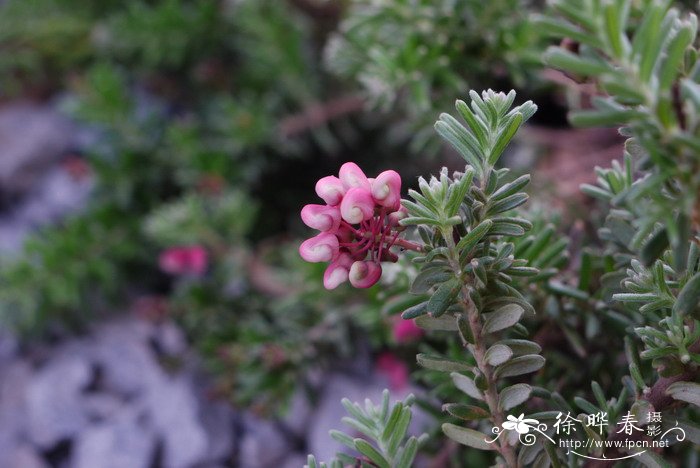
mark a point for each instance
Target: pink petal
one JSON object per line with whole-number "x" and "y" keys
{"x": 321, "y": 217}
{"x": 352, "y": 176}
{"x": 405, "y": 331}
{"x": 337, "y": 272}
{"x": 330, "y": 189}
{"x": 364, "y": 274}
{"x": 321, "y": 248}
{"x": 357, "y": 206}
{"x": 198, "y": 260}
{"x": 386, "y": 189}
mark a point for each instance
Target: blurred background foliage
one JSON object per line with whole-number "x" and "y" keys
{"x": 211, "y": 120}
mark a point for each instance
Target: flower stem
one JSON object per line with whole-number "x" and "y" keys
{"x": 478, "y": 350}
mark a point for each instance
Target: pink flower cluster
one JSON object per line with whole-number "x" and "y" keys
{"x": 184, "y": 260}
{"x": 359, "y": 224}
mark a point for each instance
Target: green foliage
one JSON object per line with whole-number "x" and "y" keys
{"x": 417, "y": 55}
{"x": 386, "y": 425}
{"x": 466, "y": 222}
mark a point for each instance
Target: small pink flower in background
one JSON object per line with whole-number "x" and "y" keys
{"x": 184, "y": 260}
{"x": 406, "y": 331}
{"x": 358, "y": 224}
{"x": 394, "y": 369}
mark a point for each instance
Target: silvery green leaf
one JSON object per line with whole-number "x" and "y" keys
{"x": 441, "y": 364}
{"x": 685, "y": 391}
{"x": 512, "y": 396}
{"x": 520, "y": 365}
{"x": 446, "y": 322}
{"x": 520, "y": 347}
{"x": 498, "y": 354}
{"x": 502, "y": 318}
{"x": 465, "y": 436}
{"x": 428, "y": 278}
{"x": 466, "y": 412}
{"x": 443, "y": 297}
{"x": 467, "y": 385}
{"x": 689, "y": 297}
{"x": 364, "y": 447}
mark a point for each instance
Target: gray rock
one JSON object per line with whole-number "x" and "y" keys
{"x": 174, "y": 410}
{"x": 294, "y": 461}
{"x": 23, "y": 455}
{"x": 123, "y": 442}
{"x": 298, "y": 414}
{"x": 31, "y": 137}
{"x": 263, "y": 445}
{"x": 121, "y": 350}
{"x": 54, "y": 400}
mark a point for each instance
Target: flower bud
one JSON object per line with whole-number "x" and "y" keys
{"x": 364, "y": 274}
{"x": 337, "y": 272}
{"x": 397, "y": 216}
{"x": 321, "y": 248}
{"x": 330, "y": 189}
{"x": 386, "y": 189}
{"x": 357, "y": 206}
{"x": 352, "y": 176}
{"x": 321, "y": 217}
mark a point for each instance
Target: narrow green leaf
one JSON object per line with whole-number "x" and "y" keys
{"x": 444, "y": 297}
{"x": 498, "y": 354}
{"x": 465, "y": 436}
{"x": 689, "y": 297}
{"x": 372, "y": 453}
{"x": 415, "y": 311}
{"x": 512, "y": 396}
{"x": 441, "y": 364}
{"x": 466, "y": 412}
{"x": 502, "y": 318}
{"x": 685, "y": 391}
{"x": 520, "y": 365}
{"x": 466, "y": 385}
{"x": 509, "y": 130}
{"x": 445, "y": 323}
{"x": 468, "y": 242}
{"x": 511, "y": 187}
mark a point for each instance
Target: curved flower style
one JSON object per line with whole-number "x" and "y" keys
{"x": 358, "y": 224}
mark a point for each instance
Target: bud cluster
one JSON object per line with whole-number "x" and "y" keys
{"x": 359, "y": 224}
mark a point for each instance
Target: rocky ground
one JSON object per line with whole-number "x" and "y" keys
{"x": 128, "y": 393}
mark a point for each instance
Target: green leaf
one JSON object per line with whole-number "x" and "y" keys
{"x": 511, "y": 187}
{"x": 461, "y": 140}
{"x": 441, "y": 364}
{"x": 466, "y": 412}
{"x": 674, "y": 56}
{"x": 409, "y": 453}
{"x": 512, "y": 396}
{"x": 342, "y": 438}
{"x": 510, "y": 128}
{"x": 477, "y": 127}
{"x": 444, "y": 323}
{"x": 520, "y": 347}
{"x": 654, "y": 247}
{"x": 415, "y": 311}
{"x": 458, "y": 191}
{"x": 685, "y": 391}
{"x": 372, "y": 453}
{"x": 520, "y": 365}
{"x": 465, "y": 330}
{"x": 466, "y": 385}
{"x": 653, "y": 460}
{"x": 507, "y": 204}
{"x": 498, "y": 354}
{"x": 444, "y": 297}
{"x": 465, "y": 436}
{"x": 502, "y": 318}
{"x": 688, "y": 298}
{"x": 429, "y": 277}
{"x": 468, "y": 242}
{"x": 559, "y": 58}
